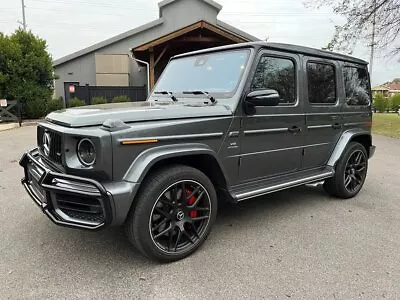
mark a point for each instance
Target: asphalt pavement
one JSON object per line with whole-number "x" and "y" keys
{"x": 295, "y": 244}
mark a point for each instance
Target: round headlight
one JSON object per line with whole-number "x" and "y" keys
{"x": 86, "y": 152}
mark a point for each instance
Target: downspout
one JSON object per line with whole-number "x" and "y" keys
{"x": 148, "y": 71}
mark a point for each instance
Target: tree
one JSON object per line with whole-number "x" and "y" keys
{"x": 395, "y": 101}
{"x": 380, "y": 102}
{"x": 26, "y": 71}
{"x": 360, "y": 15}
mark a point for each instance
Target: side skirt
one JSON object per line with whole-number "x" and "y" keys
{"x": 270, "y": 185}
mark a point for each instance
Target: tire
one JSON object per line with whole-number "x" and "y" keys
{"x": 173, "y": 213}
{"x": 350, "y": 173}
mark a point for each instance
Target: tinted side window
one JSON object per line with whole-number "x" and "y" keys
{"x": 321, "y": 83}
{"x": 276, "y": 74}
{"x": 356, "y": 85}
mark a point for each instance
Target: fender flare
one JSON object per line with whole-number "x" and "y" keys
{"x": 344, "y": 140}
{"x": 146, "y": 159}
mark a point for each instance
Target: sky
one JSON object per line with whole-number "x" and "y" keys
{"x": 70, "y": 25}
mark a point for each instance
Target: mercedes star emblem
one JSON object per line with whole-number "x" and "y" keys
{"x": 46, "y": 143}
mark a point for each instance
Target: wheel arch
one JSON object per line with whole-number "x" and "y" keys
{"x": 357, "y": 135}
{"x": 199, "y": 156}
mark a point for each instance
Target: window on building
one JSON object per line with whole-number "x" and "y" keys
{"x": 276, "y": 74}
{"x": 321, "y": 83}
{"x": 356, "y": 84}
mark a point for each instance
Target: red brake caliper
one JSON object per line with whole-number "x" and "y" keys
{"x": 191, "y": 200}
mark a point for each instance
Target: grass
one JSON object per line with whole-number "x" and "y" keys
{"x": 386, "y": 124}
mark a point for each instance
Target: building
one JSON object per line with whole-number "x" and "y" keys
{"x": 110, "y": 63}
{"x": 387, "y": 90}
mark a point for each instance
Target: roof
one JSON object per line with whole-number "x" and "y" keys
{"x": 286, "y": 48}
{"x": 222, "y": 31}
{"x": 109, "y": 41}
{"x": 380, "y": 88}
{"x": 148, "y": 26}
{"x": 394, "y": 86}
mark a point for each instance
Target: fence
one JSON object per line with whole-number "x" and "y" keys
{"x": 87, "y": 92}
{"x": 11, "y": 110}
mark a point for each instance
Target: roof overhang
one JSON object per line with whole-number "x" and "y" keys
{"x": 200, "y": 24}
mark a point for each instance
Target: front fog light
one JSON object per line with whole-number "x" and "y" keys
{"x": 86, "y": 152}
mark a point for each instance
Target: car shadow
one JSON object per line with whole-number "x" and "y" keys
{"x": 112, "y": 245}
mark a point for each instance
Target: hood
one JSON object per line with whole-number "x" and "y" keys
{"x": 134, "y": 112}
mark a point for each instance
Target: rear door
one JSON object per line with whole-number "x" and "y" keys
{"x": 272, "y": 139}
{"x": 357, "y": 105}
{"x": 324, "y": 95}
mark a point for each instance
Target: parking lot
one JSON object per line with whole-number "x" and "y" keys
{"x": 297, "y": 244}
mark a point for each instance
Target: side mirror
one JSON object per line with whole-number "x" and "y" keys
{"x": 263, "y": 98}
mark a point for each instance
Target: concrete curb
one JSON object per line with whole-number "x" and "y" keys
{"x": 9, "y": 126}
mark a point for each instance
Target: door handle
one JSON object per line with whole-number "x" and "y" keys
{"x": 294, "y": 129}
{"x": 336, "y": 126}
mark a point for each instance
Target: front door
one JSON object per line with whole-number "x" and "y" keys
{"x": 272, "y": 138}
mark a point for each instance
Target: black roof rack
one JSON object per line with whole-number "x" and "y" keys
{"x": 283, "y": 47}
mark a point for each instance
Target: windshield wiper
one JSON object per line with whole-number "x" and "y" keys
{"x": 167, "y": 93}
{"x": 207, "y": 94}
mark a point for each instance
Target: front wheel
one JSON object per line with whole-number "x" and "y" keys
{"x": 175, "y": 209}
{"x": 350, "y": 173}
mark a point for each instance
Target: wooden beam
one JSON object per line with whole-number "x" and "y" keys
{"x": 161, "y": 55}
{"x": 224, "y": 33}
{"x": 169, "y": 37}
{"x": 151, "y": 67}
{"x": 199, "y": 39}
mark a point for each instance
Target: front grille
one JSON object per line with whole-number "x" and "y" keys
{"x": 55, "y": 153}
{"x": 80, "y": 207}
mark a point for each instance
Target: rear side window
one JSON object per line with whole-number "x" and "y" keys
{"x": 356, "y": 84}
{"x": 276, "y": 74}
{"x": 321, "y": 83}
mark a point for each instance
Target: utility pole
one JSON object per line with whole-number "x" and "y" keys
{"x": 23, "y": 15}
{"x": 371, "y": 59}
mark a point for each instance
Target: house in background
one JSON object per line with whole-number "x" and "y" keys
{"x": 387, "y": 90}
{"x": 380, "y": 89}
{"x": 109, "y": 68}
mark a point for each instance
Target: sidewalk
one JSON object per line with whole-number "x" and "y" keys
{"x": 12, "y": 125}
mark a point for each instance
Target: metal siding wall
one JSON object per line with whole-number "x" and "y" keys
{"x": 112, "y": 79}
{"x": 82, "y": 69}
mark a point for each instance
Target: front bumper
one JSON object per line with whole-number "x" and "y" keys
{"x": 73, "y": 201}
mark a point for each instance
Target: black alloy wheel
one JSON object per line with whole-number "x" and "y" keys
{"x": 355, "y": 172}
{"x": 180, "y": 216}
{"x": 350, "y": 172}
{"x": 173, "y": 213}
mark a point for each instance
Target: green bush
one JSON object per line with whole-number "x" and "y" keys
{"x": 54, "y": 104}
{"x": 395, "y": 102}
{"x": 119, "y": 99}
{"x": 26, "y": 72}
{"x": 98, "y": 100}
{"x": 75, "y": 102}
{"x": 35, "y": 108}
{"x": 380, "y": 102}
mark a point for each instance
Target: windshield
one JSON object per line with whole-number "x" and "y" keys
{"x": 216, "y": 73}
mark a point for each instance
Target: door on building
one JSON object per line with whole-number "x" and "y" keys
{"x": 67, "y": 93}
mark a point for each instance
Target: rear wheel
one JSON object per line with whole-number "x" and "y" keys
{"x": 350, "y": 174}
{"x": 174, "y": 212}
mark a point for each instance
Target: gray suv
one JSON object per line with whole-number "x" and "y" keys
{"x": 227, "y": 123}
